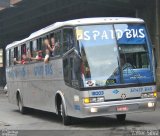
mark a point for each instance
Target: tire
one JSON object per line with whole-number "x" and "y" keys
{"x": 21, "y": 108}
{"x": 121, "y": 117}
{"x": 66, "y": 120}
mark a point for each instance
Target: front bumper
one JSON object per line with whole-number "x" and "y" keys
{"x": 110, "y": 108}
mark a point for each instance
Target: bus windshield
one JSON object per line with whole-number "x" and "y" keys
{"x": 113, "y": 54}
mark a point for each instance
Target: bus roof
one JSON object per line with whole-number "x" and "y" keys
{"x": 76, "y": 22}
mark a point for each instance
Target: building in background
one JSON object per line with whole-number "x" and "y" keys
{"x": 26, "y": 16}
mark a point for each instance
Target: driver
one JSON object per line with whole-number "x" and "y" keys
{"x": 126, "y": 62}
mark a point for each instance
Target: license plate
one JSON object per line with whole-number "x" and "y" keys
{"x": 122, "y": 108}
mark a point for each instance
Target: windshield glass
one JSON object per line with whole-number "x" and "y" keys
{"x": 134, "y": 53}
{"x": 99, "y": 54}
{"x": 113, "y": 54}
{"x": 132, "y": 45}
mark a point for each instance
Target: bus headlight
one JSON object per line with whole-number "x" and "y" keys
{"x": 149, "y": 95}
{"x": 93, "y": 100}
{"x": 100, "y": 99}
{"x": 94, "y": 109}
{"x": 151, "y": 104}
{"x": 86, "y": 100}
{"x": 155, "y": 94}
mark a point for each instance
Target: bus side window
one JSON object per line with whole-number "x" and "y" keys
{"x": 12, "y": 56}
{"x": 33, "y": 46}
{"x": 16, "y": 53}
{"x": 23, "y": 49}
{"x": 58, "y": 43}
{"x": 68, "y": 39}
{"x": 73, "y": 76}
{"x": 7, "y": 58}
{"x": 39, "y": 44}
{"x": 71, "y": 70}
{"x": 66, "y": 68}
{"x": 28, "y": 52}
{"x": 19, "y": 53}
{"x": 52, "y": 42}
{"x": 43, "y": 49}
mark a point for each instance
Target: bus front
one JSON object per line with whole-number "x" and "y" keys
{"x": 117, "y": 69}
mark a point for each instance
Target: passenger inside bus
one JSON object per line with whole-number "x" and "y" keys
{"x": 47, "y": 56}
{"x": 52, "y": 46}
{"x": 39, "y": 56}
{"x": 23, "y": 61}
{"x": 48, "y": 46}
{"x": 126, "y": 62}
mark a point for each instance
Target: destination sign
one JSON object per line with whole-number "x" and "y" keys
{"x": 130, "y": 34}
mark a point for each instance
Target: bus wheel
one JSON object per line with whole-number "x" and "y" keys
{"x": 121, "y": 117}
{"x": 20, "y": 105}
{"x": 65, "y": 119}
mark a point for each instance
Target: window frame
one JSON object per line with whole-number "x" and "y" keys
{"x": 74, "y": 40}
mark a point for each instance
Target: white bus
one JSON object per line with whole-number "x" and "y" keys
{"x": 98, "y": 67}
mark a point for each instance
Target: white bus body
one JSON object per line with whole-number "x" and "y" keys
{"x": 52, "y": 86}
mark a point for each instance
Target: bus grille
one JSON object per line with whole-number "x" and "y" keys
{"x": 123, "y": 99}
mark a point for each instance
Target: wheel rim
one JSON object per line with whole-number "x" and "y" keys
{"x": 61, "y": 110}
{"x": 20, "y": 105}
{"x": 62, "y": 113}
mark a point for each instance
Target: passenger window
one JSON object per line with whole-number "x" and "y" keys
{"x": 33, "y": 45}
{"x": 72, "y": 68}
{"x": 31, "y": 48}
{"x": 28, "y": 53}
{"x": 23, "y": 49}
{"x": 58, "y": 43}
{"x": 39, "y": 44}
{"x": 43, "y": 48}
{"x": 16, "y": 53}
{"x": 19, "y": 53}
{"x": 66, "y": 70}
{"x": 12, "y": 57}
{"x": 7, "y": 58}
{"x": 68, "y": 39}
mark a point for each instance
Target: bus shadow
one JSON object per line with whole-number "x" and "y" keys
{"x": 43, "y": 115}
{"x": 90, "y": 123}
{"x": 109, "y": 121}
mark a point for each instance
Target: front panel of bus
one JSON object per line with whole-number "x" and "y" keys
{"x": 114, "y": 68}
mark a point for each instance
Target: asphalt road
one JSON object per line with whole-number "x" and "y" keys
{"x": 39, "y": 123}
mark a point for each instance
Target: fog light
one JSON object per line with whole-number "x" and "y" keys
{"x": 155, "y": 94}
{"x": 86, "y": 100}
{"x": 151, "y": 104}
{"x": 94, "y": 109}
